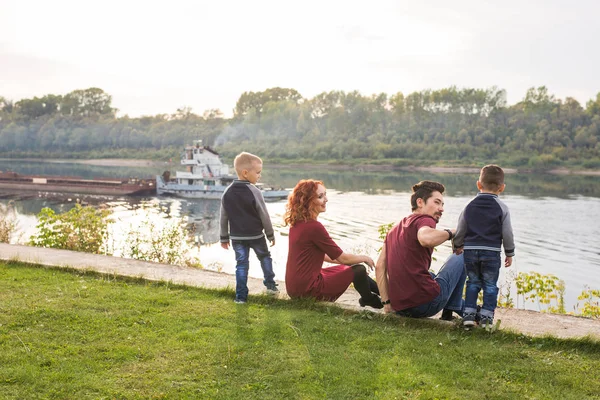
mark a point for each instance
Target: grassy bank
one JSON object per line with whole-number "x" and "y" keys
{"x": 72, "y": 335}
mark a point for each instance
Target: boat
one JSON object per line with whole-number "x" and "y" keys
{"x": 15, "y": 182}
{"x": 205, "y": 177}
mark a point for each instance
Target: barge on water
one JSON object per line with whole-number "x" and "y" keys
{"x": 206, "y": 177}
{"x": 62, "y": 184}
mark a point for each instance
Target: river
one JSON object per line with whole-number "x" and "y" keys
{"x": 554, "y": 217}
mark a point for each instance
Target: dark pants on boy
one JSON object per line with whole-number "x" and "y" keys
{"x": 483, "y": 269}
{"x": 242, "y": 255}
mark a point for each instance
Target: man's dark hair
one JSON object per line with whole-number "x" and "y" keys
{"x": 423, "y": 190}
{"x": 491, "y": 177}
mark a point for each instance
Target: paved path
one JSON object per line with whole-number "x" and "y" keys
{"x": 528, "y": 322}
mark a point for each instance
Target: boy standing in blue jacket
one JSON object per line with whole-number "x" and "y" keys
{"x": 244, "y": 218}
{"x": 483, "y": 227}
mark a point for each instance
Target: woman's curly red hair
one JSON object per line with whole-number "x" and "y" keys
{"x": 301, "y": 205}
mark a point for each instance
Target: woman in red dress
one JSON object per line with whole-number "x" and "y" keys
{"x": 310, "y": 245}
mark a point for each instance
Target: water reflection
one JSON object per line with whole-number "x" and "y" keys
{"x": 530, "y": 185}
{"x": 204, "y": 215}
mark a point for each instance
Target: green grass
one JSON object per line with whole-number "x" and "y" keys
{"x": 74, "y": 335}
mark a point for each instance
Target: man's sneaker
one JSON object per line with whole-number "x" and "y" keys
{"x": 240, "y": 301}
{"x": 469, "y": 320}
{"x": 447, "y": 315}
{"x": 272, "y": 289}
{"x": 374, "y": 301}
{"x": 486, "y": 322}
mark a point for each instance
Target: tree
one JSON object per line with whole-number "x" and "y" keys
{"x": 92, "y": 101}
{"x": 256, "y": 101}
{"x": 397, "y": 103}
{"x": 6, "y": 105}
{"x": 593, "y": 106}
{"x": 213, "y": 113}
{"x": 539, "y": 100}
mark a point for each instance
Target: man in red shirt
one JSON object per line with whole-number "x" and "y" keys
{"x": 405, "y": 283}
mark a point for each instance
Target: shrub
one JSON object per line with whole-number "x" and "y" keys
{"x": 8, "y": 222}
{"x": 591, "y": 306}
{"x": 80, "y": 229}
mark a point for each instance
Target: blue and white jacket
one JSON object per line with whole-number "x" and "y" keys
{"x": 244, "y": 213}
{"x": 485, "y": 224}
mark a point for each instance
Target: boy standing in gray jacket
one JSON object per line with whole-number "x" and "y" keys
{"x": 483, "y": 227}
{"x": 244, "y": 217}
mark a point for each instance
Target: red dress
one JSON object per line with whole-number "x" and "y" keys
{"x": 304, "y": 273}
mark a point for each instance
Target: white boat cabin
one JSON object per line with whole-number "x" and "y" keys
{"x": 202, "y": 165}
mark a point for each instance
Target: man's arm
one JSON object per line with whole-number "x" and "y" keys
{"x": 431, "y": 237}
{"x": 382, "y": 279}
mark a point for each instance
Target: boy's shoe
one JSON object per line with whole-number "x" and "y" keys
{"x": 240, "y": 301}
{"x": 272, "y": 289}
{"x": 469, "y": 320}
{"x": 374, "y": 301}
{"x": 486, "y": 322}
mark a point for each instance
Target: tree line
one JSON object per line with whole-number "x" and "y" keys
{"x": 458, "y": 126}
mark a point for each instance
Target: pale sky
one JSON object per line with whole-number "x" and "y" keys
{"x": 156, "y": 56}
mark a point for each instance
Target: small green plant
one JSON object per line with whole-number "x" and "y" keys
{"x": 169, "y": 243}
{"x": 505, "y": 298}
{"x": 591, "y": 306}
{"x": 8, "y": 222}
{"x": 541, "y": 289}
{"x": 79, "y": 229}
{"x": 384, "y": 230}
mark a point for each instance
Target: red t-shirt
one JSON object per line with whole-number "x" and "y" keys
{"x": 304, "y": 273}
{"x": 410, "y": 283}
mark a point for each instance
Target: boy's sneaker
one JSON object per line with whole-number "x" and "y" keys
{"x": 469, "y": 320}
{"x": 374, "y": 301}
{"x": 272, "y": 289}
{"x": 486, "y": 322}
{"x": 240, "y": 301}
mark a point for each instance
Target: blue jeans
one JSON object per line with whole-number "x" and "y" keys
{"x": 242, "y": 255}
{"x": 483, "y": 269}
{"x": 451, "y": 278}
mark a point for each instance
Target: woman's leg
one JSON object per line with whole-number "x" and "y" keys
{"x": 373, "y": 285}
{"x": 363, "y": 285}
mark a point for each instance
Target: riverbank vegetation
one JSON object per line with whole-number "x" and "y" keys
{"x": 91, "y": 230}
{"x": 449, "y": 126}
{"x": 84, "y": 335}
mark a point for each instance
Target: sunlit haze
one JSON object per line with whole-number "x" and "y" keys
{"x": 154, "y": 57}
